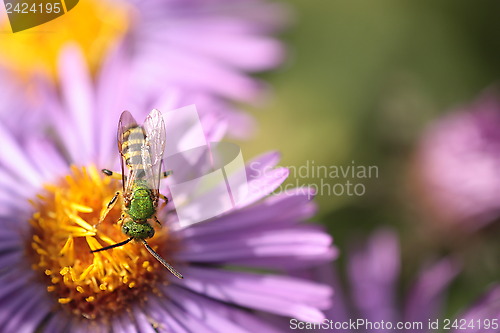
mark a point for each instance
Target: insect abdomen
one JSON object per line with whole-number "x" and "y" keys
{"x": 132, "y": 149}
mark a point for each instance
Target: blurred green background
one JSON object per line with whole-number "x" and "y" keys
{"x": 362, "y": 80}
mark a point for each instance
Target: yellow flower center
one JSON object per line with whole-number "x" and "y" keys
{"x": 92, "y": 285}
{"x": 92, "y": 24}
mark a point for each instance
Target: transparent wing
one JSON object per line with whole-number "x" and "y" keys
{"x": 126, "y": 122}
{"x": 152, "y": 154}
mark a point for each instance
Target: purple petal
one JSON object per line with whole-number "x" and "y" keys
{"x": 191, "y": 323}
{"x": 15, "y": 159}
{"x": 12, "y": 259}
{"x": 30, "y": 315}
{"x": 13, "y": 187}
{"x": 13, "y": 282}
{"x": 261, "y": 187}
{"x": 11, "y": 214}
{"x": 280, "y": 211}
{"x": 80, "y": 326}
{"x": 339, "y": 310}
{"x": 238, "y": 51}
{"x": 260, "y": 164}
{"x": 194, "y": 70}
{"x": 14, "y": 197}
{"x": 164, "y": 321}
{"x": 20, "y": 302}
{"x": 47, "y": 159}
{"x": 57, "y": 323}
{"x": 124, "y": 324}
{"x": 10, "y": 244}
{"x": 482, "y": 312}
{"x": 85, "y": 326}
{"x": 426, "y": 298}
{"x": 216, "y": 314}
{"x": 112, "y": 96}
{"x": 243, "y": 125}
{"x": 143, "y": 322}
{"x": 284, "y": 263}
{"x": 303, "y": 241}
{"x": 373, "y": 271}
{"x": 276, "y": 294}
{"x": 77, "y": 91}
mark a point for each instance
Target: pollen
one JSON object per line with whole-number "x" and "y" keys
{"x": 65, "y": 229}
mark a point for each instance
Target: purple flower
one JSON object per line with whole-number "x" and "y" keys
{"x": 207, "y": 45}
{"x": 201, "y": 47}
{"x": 91, "y": 106}
{"x": 52, "y": 196}
{"x": 372, "y": 283}
{"x": 457, "y": 166}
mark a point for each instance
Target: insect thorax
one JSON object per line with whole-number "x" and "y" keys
{"x": 142, "y": 205}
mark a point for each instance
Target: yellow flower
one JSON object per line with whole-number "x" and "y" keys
{"x": 64, "y": 232}
{"x": 94, "y": 25}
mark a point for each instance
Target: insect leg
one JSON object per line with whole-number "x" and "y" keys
{"x": 112, "y": 246}
{"x": 164, "y": 198}
{"x": 165, "y": 174}
{"x": 161, "y": 260}
{"x": 112, "y": 174}
{"x": 156, "y": 220}
{"x": 110, "y": 206}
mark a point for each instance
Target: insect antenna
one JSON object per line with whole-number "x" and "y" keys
{"x": 160, "y": 259}
{"x": 113, "y": 246}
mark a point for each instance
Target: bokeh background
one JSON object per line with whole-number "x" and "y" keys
{"x": 362, "y": 81}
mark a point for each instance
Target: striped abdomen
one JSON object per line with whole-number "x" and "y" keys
{"x": 132, "y": 149}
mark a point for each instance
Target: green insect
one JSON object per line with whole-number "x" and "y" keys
{"x": 141, "y": 148}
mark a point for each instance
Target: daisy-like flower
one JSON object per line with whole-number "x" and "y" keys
{"x": 207, "y": 46}
{"x": 457, "y": 165}
{"x": 52, "y": 196}
{"x": 373, "y": 272}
